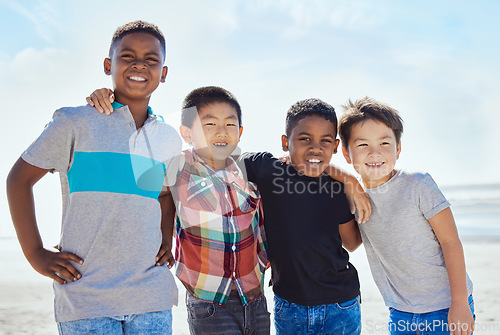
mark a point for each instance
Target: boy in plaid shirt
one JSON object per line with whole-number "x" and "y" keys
{"x": 220, "y": 245}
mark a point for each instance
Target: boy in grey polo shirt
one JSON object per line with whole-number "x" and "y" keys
{"x": 112, "y": 172}
{"x": 411, "y": 240}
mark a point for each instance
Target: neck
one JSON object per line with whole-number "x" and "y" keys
{"x": 372, "y": 183}
{"x": 217, "y": 165}
{"x": 138, "y": 108}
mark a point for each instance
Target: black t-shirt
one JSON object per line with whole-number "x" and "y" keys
{"x": 301, "y": 219}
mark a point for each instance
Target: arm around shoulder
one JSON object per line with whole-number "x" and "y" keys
{"x": 354, "y": 191}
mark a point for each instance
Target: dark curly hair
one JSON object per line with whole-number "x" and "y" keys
{"x": 138, "y": 27}
{"x": 309, "y": 107}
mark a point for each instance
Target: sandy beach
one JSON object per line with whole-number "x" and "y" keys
{"x": 26, "y": 298}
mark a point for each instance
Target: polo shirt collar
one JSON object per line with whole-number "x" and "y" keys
{"x": 151, "y": 115}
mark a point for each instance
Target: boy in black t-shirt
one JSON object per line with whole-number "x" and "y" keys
{"x": 307, "y": 221}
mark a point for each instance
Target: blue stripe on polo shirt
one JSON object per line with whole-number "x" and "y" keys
{"x": 116, "y": 173}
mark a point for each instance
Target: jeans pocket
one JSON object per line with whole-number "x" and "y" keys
{"x": 199, "y": 310}
{"x": 349, "y": 304}
{"x": 279, "y": 305}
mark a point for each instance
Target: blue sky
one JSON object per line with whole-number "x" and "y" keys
{"x": 436, "y": 62}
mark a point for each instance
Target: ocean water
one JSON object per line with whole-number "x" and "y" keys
{"x": 476, "y": 209}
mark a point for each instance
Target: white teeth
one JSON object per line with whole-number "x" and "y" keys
{"x": 220, "y": 144}
{"x": 137, "y": 78}
{"x": 374, "y": 164}
{"x": 314, "y": 161}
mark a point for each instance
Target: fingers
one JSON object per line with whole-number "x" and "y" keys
{"x": 62, "y": 266}
{"x": 89, "y": 101}
{"x": 71, "y": 256}
{"x": 364, "y": 210}
{"x": 170, "y": 261}
{"x": 165, "y": 256}
{"x": 101, "y": 99}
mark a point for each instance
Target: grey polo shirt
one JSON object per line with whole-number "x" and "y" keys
{"x": 111, "y": 175}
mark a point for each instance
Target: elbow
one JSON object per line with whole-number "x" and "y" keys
{"x": 352, "y": 246}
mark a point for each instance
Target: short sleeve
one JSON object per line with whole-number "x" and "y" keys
{"x": 254, "y": 164}
{"x": 174, "y": 162}
{"x": 53, "y": 149}
{"x": 431, "y": 199}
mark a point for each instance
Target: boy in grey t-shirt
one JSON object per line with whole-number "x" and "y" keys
{"x": 411, "y": 240}
{"x": 112, "y": 170}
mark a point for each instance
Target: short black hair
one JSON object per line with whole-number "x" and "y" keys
{"x": 138, "y": 27}
{"x": 204, "y": 96}
{"x": 366, "y": 109}
{"x": 309, "y": 107}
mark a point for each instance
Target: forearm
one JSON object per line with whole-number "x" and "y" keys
{"x": 354, "y": 191}
{"x": 22, "y": 210}
{"x": 342, "y": 176}
{"x": 455, "y": 266}
{"x": 167, "y": 217}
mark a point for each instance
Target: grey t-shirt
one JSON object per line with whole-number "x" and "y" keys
{"x": 405, "y": 257}
{"x": 111, "y": 176}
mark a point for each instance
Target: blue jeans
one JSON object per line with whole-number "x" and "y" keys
{"x": 157, "y": 323}
{"x": 435, "y": 323}
{"x": 343, "y": 318}
{"x": 232, "y": 318}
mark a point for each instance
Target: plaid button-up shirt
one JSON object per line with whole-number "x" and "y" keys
{"x": 220, "y": 238}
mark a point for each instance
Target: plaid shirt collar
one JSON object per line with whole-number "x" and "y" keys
{"x": 234, "y": 175}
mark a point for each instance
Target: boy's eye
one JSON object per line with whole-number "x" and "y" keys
{"x": 327, "y": 140}
{"x": 127, "y": 56}
{"x": 304, "y": 139}
{"x": 362, "y": 145}
{"x": 386, "y": 143}
{"x": 152, "y": 60}
{"x": 209, "y": 124}
{"x": 231, "y": 125}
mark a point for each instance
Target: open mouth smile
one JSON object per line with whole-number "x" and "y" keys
{"x": 137, "y": 78}
{"x": 374, "y": 165}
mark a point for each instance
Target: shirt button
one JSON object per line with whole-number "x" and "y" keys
{"x": 132, "y": 124}
{"x": 233, "y": 247}
{"x": 234, "y": 274}
{"x": 203, "y": 183}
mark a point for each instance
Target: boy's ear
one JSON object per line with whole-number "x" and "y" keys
{"x": 241, "y": 131}
{"x": 163, "y": 74}
{"x": 284, "y": 142}
{"x": 107, "y": 66}
{"x": 336, "y": 145}
{"x": 186, "y": 134}
{"x": 347, "y": 157}
{"x": 398, "y": 150}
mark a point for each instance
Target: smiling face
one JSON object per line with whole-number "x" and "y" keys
{"x": 215, "y": 133}
{"x": 373, "y": 151}
{"x": 136, "y": 65}
{"x": 311, "y": 144}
